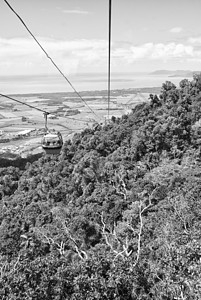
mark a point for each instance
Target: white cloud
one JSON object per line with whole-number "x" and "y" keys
{"x": 76, "y": 11}
{"x": 195, "y": 40}
{"x": 151, "y": 51}
{"x": 171, "y": 50}
{"x": 23, "y": 56}
{"x": 176, "y": 29}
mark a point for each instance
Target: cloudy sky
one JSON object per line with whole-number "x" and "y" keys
{"x": 146, "y": 35}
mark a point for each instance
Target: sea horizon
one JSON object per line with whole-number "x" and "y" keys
{"x": 50, "y": 83}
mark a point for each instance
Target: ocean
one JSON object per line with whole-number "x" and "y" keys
{"x": 81, "y": 82}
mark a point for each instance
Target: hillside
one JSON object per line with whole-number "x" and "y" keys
{"x": 173, "y": 72}
{"x": 176, "y": 73}
{"x": 116, "y": 216}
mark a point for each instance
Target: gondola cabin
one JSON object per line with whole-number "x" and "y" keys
{"x": 52, "y": 142}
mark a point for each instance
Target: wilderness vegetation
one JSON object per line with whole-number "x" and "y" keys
{"x": 117, "y": 215}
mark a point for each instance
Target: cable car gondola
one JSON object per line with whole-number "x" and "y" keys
{"x": 52, "y": 141}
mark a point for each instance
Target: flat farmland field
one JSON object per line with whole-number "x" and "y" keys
{"x": 67, "y": 113}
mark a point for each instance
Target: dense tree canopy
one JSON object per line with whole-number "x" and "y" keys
{"x": 117, "y": 215}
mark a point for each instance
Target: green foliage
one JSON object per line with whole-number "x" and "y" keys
{"x": 116, "y": 215}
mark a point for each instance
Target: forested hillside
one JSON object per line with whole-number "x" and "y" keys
{"x": 116, "y": 216}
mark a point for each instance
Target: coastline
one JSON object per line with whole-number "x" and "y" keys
{"x": 82, "y": 82}
{"x": 67, "y": 112}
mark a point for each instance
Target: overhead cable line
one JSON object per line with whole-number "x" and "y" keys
{"x": 52, "y": 61}
{"x": 109, "y": 55}
{"x": 44, "y": 111}
{"x": 80, "y": 120}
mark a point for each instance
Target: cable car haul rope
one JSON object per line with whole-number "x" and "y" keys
{"x": 48, "y": 56}
{"x": 52, "y": 141}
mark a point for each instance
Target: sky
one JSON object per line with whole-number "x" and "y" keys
{"x": 147, "y": 35}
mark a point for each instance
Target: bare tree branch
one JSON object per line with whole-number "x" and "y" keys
{"x": 82, "y": 254}
{"x": 106, "y": 235}
{"x": 61, "y": 246}
{"x": 139, "y": 234}
{"x": 141, "y": 211}
{"x": 115, "y": 237}
{"x": 119, "y": 185}
{"x": 51, "y": 241}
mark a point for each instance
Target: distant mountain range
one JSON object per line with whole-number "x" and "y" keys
{"x": 175, "y": 73}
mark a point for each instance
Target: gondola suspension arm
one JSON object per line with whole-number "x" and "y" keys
{"x": 46, "y": 113}
{"x": 45, "y": 116}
